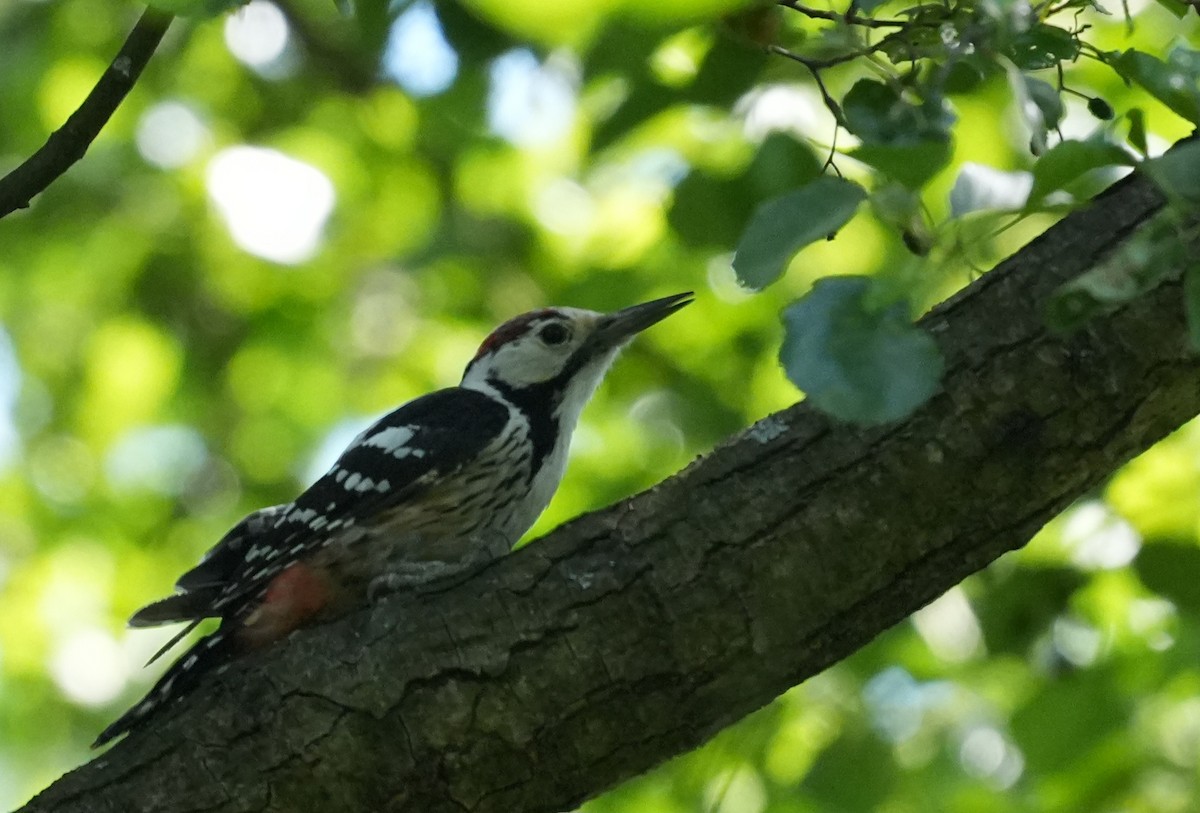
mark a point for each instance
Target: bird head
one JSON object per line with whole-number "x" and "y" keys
{"x": 562, "y": 353}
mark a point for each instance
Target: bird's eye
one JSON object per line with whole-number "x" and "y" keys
{"x": 554, "y": 333}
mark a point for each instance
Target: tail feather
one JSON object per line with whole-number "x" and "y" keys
{"x": 190, "y": 606}
{"x": 182, "y": 676}
{"x": 176, "y": 638}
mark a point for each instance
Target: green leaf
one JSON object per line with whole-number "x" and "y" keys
{"x": 1046, "y": 97}
{"x": 1038, "y": 104}
{"x": 1177, "y": 7}
{"x": 980, "y": 188}
{"x": 1137, "y": 130}
{"x": 1070, "y": 159}
{"x": 1042, "y": 46}
{"x": 1169, "y": 83}
{"x": 782, "y": 226}
{"x": 857, "y": 364}
{"x": 713, "y": 211}
{"x": 878, "y": 114}
{"x": 966, "y": 74}
{"x": 1172, "y": 570}
{"x": 900, "y": 207}
{"x": 1177, "y": 172}
{"x": 910, "y": 164}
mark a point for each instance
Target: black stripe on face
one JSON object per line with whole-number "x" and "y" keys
{"x": 539, "y": 404}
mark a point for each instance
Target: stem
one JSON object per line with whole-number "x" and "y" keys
{"x": 68, "y": 144}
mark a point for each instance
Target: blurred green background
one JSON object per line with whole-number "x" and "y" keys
{"x": 298, "y": 220}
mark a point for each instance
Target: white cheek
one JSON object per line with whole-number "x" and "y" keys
{"x": 535, "y": 363}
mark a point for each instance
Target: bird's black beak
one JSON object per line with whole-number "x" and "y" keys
{"x": 619, "y": 327}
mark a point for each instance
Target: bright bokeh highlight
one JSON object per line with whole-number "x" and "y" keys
{"x": 274, "y": 206}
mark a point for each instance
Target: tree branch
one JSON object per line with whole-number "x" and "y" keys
{"x": 635, "y": 633}
{"x": 849, "y": 17}
{"x": 69, "y": 143}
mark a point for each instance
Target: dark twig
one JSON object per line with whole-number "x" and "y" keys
{"x": 814, "y": 67}
{"x": 851, "y": 17}
{"x": 828, "y": 62}
{"x": 68, "y": 144}
{"x": 1061, "y": 7}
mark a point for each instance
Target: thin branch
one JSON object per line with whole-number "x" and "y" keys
{"x": 851, "y": 17}
{"x": 68, "y": 144}
{"x": 1061, "y": 7}
{"x": 815, "y": 67}
{"x": 814, "y": 64}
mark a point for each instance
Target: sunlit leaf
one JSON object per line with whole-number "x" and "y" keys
{"x": 714, "y": 211}
{"x": 910, "y": 164}
{"x": 1042, "y": 46}
{"x": 854, "y": 362}
{"x": 1038, "y": 104}
{"x": 878, "y": 114}
{"x": 1170, "y": 84}
{"x": 1047, "y": 99}
{"x": 978, "y": 189}
{"x": 1137, "y": 130}
{"x": 1179, "y": 8}
{"x": 1068, "y": 160}
{"x": 782, "y": 226}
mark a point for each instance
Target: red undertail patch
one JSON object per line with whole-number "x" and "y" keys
{"x": 292, "y": 599}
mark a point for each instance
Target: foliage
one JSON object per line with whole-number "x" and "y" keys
{"x": 783, "y": 225}
{"x": 277, "y": 237}
{"x": 866, "y": 364}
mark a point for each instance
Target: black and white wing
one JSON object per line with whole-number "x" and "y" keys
{"x": 391, "y": 462}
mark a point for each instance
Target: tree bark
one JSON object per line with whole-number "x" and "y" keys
{"x": 635, "y": 633}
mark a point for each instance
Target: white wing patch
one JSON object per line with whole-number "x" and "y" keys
{"x": 301, "y": 515}
{"x": 394, "y": 440}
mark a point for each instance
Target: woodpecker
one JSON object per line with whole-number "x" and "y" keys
{"x": 442, "y": 483}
